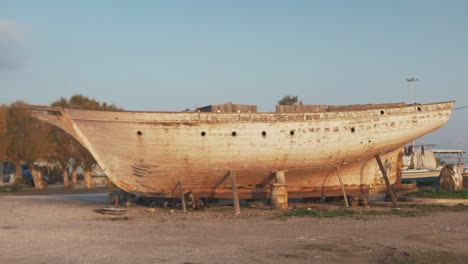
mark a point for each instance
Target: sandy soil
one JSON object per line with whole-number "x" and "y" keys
{"x": 34, "y": 230}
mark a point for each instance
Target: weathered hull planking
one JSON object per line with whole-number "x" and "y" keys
{"x": 151, "y": 152}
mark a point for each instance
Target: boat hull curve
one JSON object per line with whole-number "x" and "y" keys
{"x": 151, "y": 152}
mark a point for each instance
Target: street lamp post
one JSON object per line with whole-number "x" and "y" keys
{"x": 411, "y": 81}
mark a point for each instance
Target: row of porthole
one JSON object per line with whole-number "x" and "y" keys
{"x": 234, "y": 133}
{"x": 382, "y": 112}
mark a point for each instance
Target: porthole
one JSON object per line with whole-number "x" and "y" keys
{"x": 139, "y": 133}
{"x": 264, "y": 133}
{"x": 419, "y": 108}
{"x": 382, "y": 112}
{"x": 203, "y": 133}
{"x": 291, "y": 132}
{"x": 234, "y": 133}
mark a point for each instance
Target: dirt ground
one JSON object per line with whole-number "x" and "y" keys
{"x": 34, "y": 230}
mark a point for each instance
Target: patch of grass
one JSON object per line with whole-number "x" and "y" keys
{"x": 407, "y": 211}
{"x": 429, "y": 208}
{"x": 4, "y": 189}
{"x": 348, "y": 213}
{"x": 441, "y": 194}
{"x": 315, "y": 213}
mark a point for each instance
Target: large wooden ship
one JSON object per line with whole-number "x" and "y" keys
{"x": 151, "y": 153}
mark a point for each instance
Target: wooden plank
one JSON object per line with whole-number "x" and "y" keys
{"x": 342, "y": 187}
{"x": 116, "y": 200}
{"x": 279, "y": 192}
{"x": 333, "y": 108}
{"x": 235, "y": 196}
{"x": 182, "y": 198}
{"x": 387, "y": 182}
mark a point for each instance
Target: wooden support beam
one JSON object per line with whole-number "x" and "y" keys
{"x": 116, "y": 200}
{"x": 235, "y": 197}
{"x": 387, "y": 181}
{"x": 279, "y": 192}
{"x": 280, "y": 177}
{"x": 342, "y": 187}
{"x": 182, "y": 197}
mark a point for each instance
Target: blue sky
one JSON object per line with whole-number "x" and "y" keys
{"x": 155, "y": 55}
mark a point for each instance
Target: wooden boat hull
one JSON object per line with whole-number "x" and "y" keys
{"x": 151, "y": 152}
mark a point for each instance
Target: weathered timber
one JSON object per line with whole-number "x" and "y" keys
{"x": 146, "y": 152}
{"x": 111, "y": 211}
{"x": 182, "y": 197}
{"x": 450, "y": 178}
{"x": 116, "y": 200}
{"x": 279, "y": 192}
{"x": 345, "y": 197}
{"x": 364, "y": 199}
{"x": 332, "y": 108}
{"x": 235, "y": 197}
{"x": 193, "y": 202}
{"x": 353, "y": 201}
{"x": 387, "y": 181}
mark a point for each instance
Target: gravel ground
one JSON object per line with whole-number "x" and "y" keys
{"x": 51, "y": 229}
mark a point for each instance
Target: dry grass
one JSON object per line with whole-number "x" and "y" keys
{"x": 349, "y": 213}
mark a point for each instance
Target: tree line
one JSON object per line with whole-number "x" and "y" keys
{"x": 26, "y": 140}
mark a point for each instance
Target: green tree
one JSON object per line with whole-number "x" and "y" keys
{"x": 79, "y": 101}
{"x": 27, "y": 141}
{"x": 65, "y": 148}
{"x": 3, "y": 137}
{"x": 290, "y": 100}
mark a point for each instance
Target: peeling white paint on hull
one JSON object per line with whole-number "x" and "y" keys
{"x": 150, "y": 152}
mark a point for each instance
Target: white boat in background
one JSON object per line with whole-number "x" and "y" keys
{"x": 422, "y": 163}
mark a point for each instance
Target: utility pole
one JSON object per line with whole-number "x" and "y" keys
{"x": 411, "y": 81}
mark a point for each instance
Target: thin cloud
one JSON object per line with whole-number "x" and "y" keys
{"x": 12, "y": 39}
